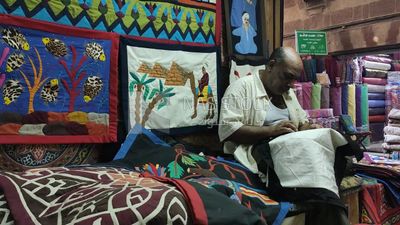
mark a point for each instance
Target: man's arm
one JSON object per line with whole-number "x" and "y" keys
{"x": 252, "y": 134}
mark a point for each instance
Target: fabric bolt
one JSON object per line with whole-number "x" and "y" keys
{"x": 307, "y": 70}
{"x": 376, "y": 111}
{"x": 376, "y": 65}
{"x": 391, "y": 130}
{"x": 376, "y": 103}
{"x": 316, "y": 96}
{"x": 372, "y": 58}
{"x": 395, "y": 147}
{"x": 358, "y": 106}
{"x": 32, "y": 129}
{"x": 319, "y": 113}
{"x": 345, "y": 98}
{"x": 393, "y": 76}
{"x": 389, "y": 138}
{"x": 307, "y": 90}
{"x": 299, "y": 93}
{"x": 313, "y": 70}
{"x": 376, "y": 131}
{"x": 376, "y": 88}
{"x": 336, "y": 100}
{"x": 325, "y": 98}
{"x": 342, "y": 71}
{"x": 374, "y": 80}
{"x": 55, "y": 128}
{"x": 349, "y": 72}
{"x": 376, "y": 118}
{"x": 364, "y": 105}
{"x": 320, "y": 65}
{"x": 375, "y": 73}
{"x": 351, "y": 102}
{"x": 356, "y": 70}
{"x": 332, "y": 70}
{"x": 376, "y": 96}
{"x": 394, "y": 114}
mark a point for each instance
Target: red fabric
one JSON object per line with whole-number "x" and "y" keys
{"x": 374, "y": 80}
{"x": 10, "y": 128}
{"x": 96, "y": 129}
{"x": 376, "y": 118}
{"x": 203, "y": 82}
{"x": 373, "y": 200}
{"x": 199, "y": 213}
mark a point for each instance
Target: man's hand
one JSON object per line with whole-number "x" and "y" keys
{"x": 309, "y": 126}
{"x": 283, "y": 127}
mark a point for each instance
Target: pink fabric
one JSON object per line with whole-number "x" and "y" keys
{"x": 306, "y": 87}
{"x": 377, "y": 59}
{"x": 374, "y": 80}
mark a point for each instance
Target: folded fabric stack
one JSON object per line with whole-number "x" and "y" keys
{"x": 375, "y": 73}
{"x": 312, "y": 96}
{"x": 380, "y": 198}
{"x": 323, "y": 117}
{"x": 392, "y": 131}
{"x": 392, "y": 91}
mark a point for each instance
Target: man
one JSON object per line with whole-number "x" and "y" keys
{"x": 261, "y": 107}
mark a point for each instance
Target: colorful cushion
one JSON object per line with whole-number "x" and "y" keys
{"x": 145, "y": 152}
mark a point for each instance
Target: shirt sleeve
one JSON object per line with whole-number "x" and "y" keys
{"x": 232, "y": 112}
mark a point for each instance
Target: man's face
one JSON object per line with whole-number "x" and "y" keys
{"x": 282, "y": 77}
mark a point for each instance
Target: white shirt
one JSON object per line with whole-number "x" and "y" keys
{"x": 245, "y": 103}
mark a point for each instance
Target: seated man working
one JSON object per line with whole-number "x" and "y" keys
{"x": 262, "y": 107}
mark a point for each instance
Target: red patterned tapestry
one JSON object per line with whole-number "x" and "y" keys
{"x": 89, "y": 196}
{"x": 58, "y": 84}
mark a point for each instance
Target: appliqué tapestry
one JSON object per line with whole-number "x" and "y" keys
{"x": 23, "y": 157}
{"x": 168, "y": 86}
{"x": 241, "y": 70}
{"x": 180, "y": 20}
{"x": 58, "y": 84}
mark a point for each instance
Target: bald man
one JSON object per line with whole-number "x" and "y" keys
{"x": 258, "y": 108}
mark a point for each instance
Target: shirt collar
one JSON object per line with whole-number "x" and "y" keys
{"x": 260, "y": 90}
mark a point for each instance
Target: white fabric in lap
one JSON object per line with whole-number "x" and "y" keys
{"x": 306, "y": 158}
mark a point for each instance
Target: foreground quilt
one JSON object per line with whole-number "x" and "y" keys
{"x": 58, "y": 84}
{"x": 188, "y": 21}
{"x": 101, "y": 195}
{"x": 168, "y": 86}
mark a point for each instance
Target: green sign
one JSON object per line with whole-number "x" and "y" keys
{"x": 309, "y": 42}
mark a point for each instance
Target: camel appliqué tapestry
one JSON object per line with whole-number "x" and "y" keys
{"x": 169, "y": 86}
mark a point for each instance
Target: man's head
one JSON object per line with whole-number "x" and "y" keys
{"x": 283, "y": 69}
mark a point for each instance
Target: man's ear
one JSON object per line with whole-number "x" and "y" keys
{"x": 270, "y": 64}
